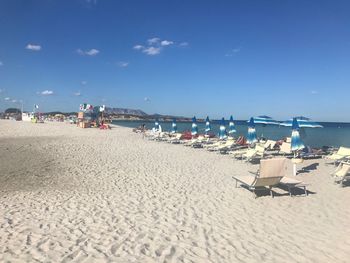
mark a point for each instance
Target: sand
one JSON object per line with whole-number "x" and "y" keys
{"x": 84, "y": 195}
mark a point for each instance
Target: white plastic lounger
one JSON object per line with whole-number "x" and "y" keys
{"x": 341, "y": 154}
{"x": 342, "y": 173}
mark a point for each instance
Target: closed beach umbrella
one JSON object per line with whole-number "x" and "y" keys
{"x": 222, "y": 131}
{"x": 194, "y": 130}
{"x": 303, "y": 122}
{"x": 251, "y": 138}
{"x": 207, "y": 125}
{"x": 297, "y": 143}
{"x": 265, "y": 120}
{"x": 174, "y": 126}
{"x": 231, "y": 127}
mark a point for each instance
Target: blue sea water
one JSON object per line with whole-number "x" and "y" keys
{"x": 333, "y": 134}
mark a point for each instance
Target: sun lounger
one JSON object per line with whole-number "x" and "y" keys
{"x": 342, "y": 173}
{"x": 269, "y": 145}
{"x": 269, "y": 175}
{"x": 292, "y": 183}
{"x": 176, "y": 137}
{"x": 338, "y": 156}
{"x": 285, "y": 149}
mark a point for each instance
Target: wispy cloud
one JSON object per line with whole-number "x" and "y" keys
{"x": 314, "y": 92}
{"x": 1, "y": 63}
{"x": 33, "y": 47}
{"x": 46, "y": 92}
{"x": 183, "y": 44}
{"x": 7, "y": 98}
{"x": 166, "y": 43}
{"x": 233, "y": 52}
{"x": 153, "y": 41}
{"x": 14, "y": 101}
{"x": 138, "y": 47}
{"x": 83, "y": 82}
{"x": 122, "y": 64}
{"x": 91, "y": 52}
{"x": 155, "y": 46}
{"x": 152, "y": 51}
{"x": 78, "y": 93}
{"x": 146, "y": 99}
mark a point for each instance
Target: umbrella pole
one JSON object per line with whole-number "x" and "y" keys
{"x": 294, "y": 166}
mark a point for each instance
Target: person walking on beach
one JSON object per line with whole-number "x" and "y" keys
{"x": 143, "y": 130}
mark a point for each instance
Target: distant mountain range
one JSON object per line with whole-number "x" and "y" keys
{"x": 120, "y": 111}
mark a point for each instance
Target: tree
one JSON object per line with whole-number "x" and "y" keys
{"x": 12, "y": 111}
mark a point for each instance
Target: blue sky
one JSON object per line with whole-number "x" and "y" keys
{"x": 245, "y": 58}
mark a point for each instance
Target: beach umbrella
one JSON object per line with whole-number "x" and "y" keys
{"x": 174, "y": 126}
{"x": 222, "y": 131}
{"x": 251, "y": 138}
{"x": 207, "y": 125}
{"x": 231, "y": 127}
{"x": 296, "y": 144}
{"x": 265, "y": 120}
{"x": 303, "y": 122}
{"x": 194, "y": 130}
{"x": 156, "y": 125}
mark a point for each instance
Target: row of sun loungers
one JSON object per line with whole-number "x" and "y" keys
{"x": 270, "y": 175}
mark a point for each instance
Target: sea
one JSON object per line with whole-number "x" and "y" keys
{"x": 333, "y": 134}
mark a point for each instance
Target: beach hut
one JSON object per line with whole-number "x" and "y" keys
{"x": 231, "y": 127}
{"x": 194, "y": 130}
{"x": 207, "y": 126}
{"x": 174, "y": 126}
{"x": 251, "y": 137}
{"x": 222, "y": 130}
{"x": 296, "y": 145}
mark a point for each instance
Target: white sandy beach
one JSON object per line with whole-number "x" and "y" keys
{"x": 85, "y": 195}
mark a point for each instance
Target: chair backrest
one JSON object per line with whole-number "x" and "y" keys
{"x": 344, "y": 151}
{"x": 343, "y": 171}
{"x": 275, "y": 167}
{"x": 260, "y": 149}
{"x": 286, "y": 148}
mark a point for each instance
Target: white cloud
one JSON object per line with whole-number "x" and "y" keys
{"x": 123, "y": 64}
{"x": 183, "y": 44}
{"x": 138, "y": 47}
{"x": 33, "y": 47}
{"x": 147, "y": 99}
{"x": 78, "y": 93}
{"x": 7, "y": 99}
{"x": 14, "y": 101}
{"x": 233, "y": 52}
{"x": 154, "y": 40}
{"x": 84, "y": 82}
{"x": 1, "y": 64}
{"x": 46, "y": 92}
{"x": 166, "y": 43}
{"x": 314, "y": 92}
{"x": 152, "y": 51}
{"x": 91, "y": 52}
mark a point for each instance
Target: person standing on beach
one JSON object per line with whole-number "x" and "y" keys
{"x": 143, "y": 130}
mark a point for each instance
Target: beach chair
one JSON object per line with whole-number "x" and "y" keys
{"x": 342, "y": 173}
{"x": 285, "y": 149}
{"x": 269, "y": 175}
{"x": 269, "y": 145}
{"x": 292, "y": 183}
{"x": 255, "y": 153}
{"x": 342, "y": 153}
{"x": 176, "y": 138}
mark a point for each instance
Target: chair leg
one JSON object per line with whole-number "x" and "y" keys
{"x": 271, "y": 192}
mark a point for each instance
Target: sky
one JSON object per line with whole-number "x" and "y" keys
{"x": 218, "y": 58}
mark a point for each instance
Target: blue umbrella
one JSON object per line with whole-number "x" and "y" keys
{"x": 194, "y": 130}
{"x": 222, "y": 131}
{"x": 297, "y": 143}
{"x": 174, "y": 126}
{"x": 265, "y": 120}
{"x": 231, "y": 126}
{"x": 303, "y": 122}
{"x": 207, "y": 125}
{"x": 251, "y": 138}
{"x": 156, "y": 125}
